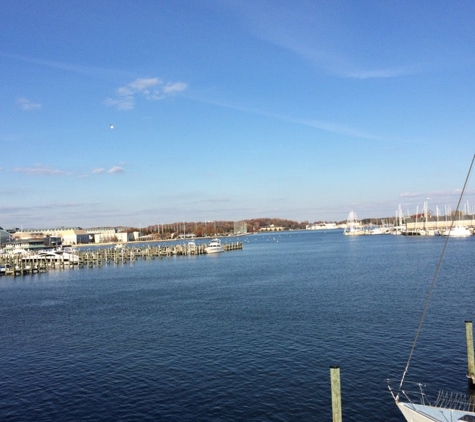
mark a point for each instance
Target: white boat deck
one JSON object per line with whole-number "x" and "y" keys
{"x": 423, "y": 413}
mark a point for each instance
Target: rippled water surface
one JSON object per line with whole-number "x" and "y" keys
{"x": 240, "y": 336}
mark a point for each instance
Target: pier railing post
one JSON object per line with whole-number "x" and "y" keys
{"x": 470, "y": 354}
{"x": 336, "y": 393}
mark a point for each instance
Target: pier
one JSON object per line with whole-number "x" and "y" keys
{"x": 18, "y": 264}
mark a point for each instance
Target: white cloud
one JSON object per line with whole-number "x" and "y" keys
{"x": 144, "y": 83}
{"x": 27, "y": 105}
{"x": 174, "y": 87}
{"x": 121, "y": 103}
{"x": 116, "y": 169}
{"x": 410, "y": 194}
{"x": 98, "y": 171}
{"x": 152, "y": 89}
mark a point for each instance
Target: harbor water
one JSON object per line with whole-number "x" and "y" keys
{"x": 247, "y": 335}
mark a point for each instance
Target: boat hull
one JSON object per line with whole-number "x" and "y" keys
{"x": 423, "y": 413}
{"x": 214, "y": 249}
{"x": 457, "y": 232}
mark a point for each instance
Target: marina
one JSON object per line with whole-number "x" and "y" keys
{"x": 35, "y": 262}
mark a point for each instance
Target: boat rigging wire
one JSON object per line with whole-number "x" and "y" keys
{"x": 426, "y": 305}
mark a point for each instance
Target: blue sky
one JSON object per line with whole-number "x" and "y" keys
{"x": 229, "y": 110}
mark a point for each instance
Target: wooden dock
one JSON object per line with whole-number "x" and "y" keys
{"x": 17, "y": 265}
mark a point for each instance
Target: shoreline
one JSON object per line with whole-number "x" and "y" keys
{"x": 132, "y": 242}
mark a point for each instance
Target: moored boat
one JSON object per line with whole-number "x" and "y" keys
{"x": 353, "y": 226}
{"x": 54, "y": 256}
{"x": 457, "y": 231}
{"x": 214, "y": 246}
{"x": 447, "y": 407}
{"x": 191, "y": 247}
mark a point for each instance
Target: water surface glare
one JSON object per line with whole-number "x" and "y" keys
{"x": 241, "y": 336}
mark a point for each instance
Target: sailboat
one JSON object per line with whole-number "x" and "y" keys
{"x": 447, "y": 407}
{"x": 353, "y": 226}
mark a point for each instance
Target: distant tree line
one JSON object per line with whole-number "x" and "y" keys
{"x": 211, "y": 228}
{"x": 256, "y": 224}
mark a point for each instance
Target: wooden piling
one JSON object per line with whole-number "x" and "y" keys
{"x": 336, "y": 393}
{"x": 470, "y": 354}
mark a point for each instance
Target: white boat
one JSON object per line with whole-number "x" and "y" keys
{"x": 191, "y": 247}
{"x": 214, "y": 246}
{"x": 55, "y": 256}
{"x": 447, "y": 406}
{"x": 353, "y": 226}
{"x": 457, "y": 231}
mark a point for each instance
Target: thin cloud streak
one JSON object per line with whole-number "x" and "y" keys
{"x": 68, "y": 67}
{"x": 27, "y": 105}
{"x": 380, "y": 73}
{"x": 335, "y": 128}
{"x": 41, "y": 207}
{"x": 278, "y": 28}
{"x": 435, "y": 194}
{"x": 317, "y": 124}
{"x": 40, "y": 170}
{"x": 340, "y": 66}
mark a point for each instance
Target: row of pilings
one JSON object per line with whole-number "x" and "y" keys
{"x": 87, "y": 258}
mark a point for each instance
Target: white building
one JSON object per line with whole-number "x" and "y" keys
{"x": 109, "y": 234}
{"x": 68, "y": 235}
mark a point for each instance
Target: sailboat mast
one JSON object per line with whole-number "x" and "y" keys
{"x": 431, "y": 289}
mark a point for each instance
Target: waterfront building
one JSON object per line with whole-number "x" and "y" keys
{"x": 109, "y": 234}
{"x": 67, "y": 235}
{"x": 437, "y": 223}
{"x": 32, "y": 241}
